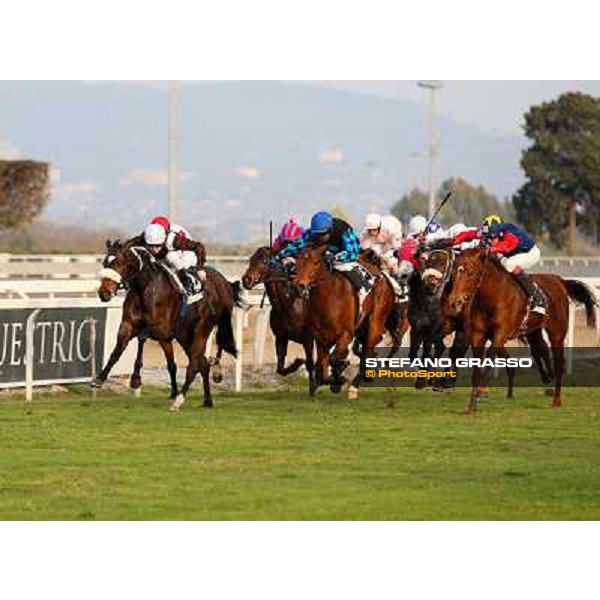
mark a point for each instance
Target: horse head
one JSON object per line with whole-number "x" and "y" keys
{"x": 436, "y": 268}
{"x": 309, "y": 265}
{"x": 119, "y": 267}
{"x": 466, "y": 276}
{"x": 258, "y": 268}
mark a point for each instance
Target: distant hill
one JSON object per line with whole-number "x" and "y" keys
{"x": 249, "y": 151}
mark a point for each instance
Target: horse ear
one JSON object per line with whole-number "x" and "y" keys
{"x": 108, "y": 244}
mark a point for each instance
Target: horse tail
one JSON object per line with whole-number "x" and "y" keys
{"x": 236, "y": 288}
{"x": 225, "y": 337}
{"x": 582, "y": 294}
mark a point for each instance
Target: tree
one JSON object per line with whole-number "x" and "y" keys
{"x": 468, "y": 204}
{"x": 562, "y": 167}
{"x": 24, "y": 191}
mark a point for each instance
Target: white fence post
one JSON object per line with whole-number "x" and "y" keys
{"x": 29, "y": 354}
{"x": 570, "y": 338}
{"x": 239, "y": 340}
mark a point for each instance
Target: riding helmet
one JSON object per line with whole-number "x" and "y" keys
{"x": 322, "y": 222}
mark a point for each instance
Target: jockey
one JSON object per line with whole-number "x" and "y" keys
{"x": 383, "y": 235}
{"x": 339, "y": 237}
{"x": 289, "y": 232}
{"x": 517, "y": 250}
{"x": 174, "y": 244}
{"x": 408, "y": 252}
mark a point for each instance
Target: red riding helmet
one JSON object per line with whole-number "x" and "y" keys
{"x": 163, "y": 221}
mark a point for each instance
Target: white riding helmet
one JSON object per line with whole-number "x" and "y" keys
{"x": 373, "y": 221}
{"x": 417, "y": 225}
{"x": 155, "y": 235}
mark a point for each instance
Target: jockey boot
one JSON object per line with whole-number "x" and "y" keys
{"x": 187, "y": 281}
{"x": 538, "y": 300}
{"x": 402, "y": 279}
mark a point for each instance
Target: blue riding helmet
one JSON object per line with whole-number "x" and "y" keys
{"x": 433, "y": 227}
{"x": 321, "y": 223}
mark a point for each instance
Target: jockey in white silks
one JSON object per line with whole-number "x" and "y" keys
{"x": 173, "y": 244}
{"x": 383, "y": 235}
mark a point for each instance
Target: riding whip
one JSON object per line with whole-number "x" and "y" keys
{"x": 439, "y": 208}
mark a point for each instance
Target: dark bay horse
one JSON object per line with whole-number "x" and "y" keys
{"x": 157, "y": 310}
{"x": 333, "y": 307}
{"x": 130, "y": 306}
{"x": 289, "y": 317}
{"x": 496, "y": 310}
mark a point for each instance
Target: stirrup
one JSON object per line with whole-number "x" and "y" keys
{"x": 539, "y": 309}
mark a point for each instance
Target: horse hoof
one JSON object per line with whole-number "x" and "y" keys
{"x": 137, "y": 392}
{"x": 353, "y": 393}
{"x": 217, "y": 376}
{"x": 135, "y": 383}
{"x": 549, "y": 392}
{"x": 335, "y": 388}
{"x": 96, "y": 384}
{"x": 556, "y": 403}
{"x": 177, "y": 403}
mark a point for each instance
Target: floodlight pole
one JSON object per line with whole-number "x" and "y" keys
{"x": 173, "y": 139}
{"x": 433, "y": 87}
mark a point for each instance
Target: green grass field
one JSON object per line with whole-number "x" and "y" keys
{"x": 275, "y": 455}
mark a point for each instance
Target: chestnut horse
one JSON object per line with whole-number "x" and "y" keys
{"x": 379, "y": 312}
{"x": 333, "y": 307}
{"x": 156, "y": 309}
{"x": 289, "y": 318}
{"x": 496, "y": 309}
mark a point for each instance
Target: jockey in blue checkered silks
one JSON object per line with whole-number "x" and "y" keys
{"x": 339, "y": 237}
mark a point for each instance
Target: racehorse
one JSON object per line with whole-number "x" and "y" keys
{"x": 130, "y": 306}
{"x": 425, "y": 318}
{"x": 157, "y": 310}
{"x": 289, "y": 317}
{"x": 496, "y": 310}
{"x": 333, "y": 306}
{"x": 379, "y": 312}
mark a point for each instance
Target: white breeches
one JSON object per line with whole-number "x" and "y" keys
{"x": 179, "y": 260}
{"x": 524, "y": 261}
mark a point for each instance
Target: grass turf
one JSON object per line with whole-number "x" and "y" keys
{"x": 276, "y": 455}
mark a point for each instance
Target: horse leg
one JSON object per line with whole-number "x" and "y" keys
{"x": 510, "y": 373}
{"x": 135, "y": 383}
{"x": 281, "y": 346}
{"x": 374, "y": 336}
{"x": 541, "y": 355}
{"x": 197, "y": 363}
{"x": 125, "y": 335}
{"x": 558, "y": 354}
{"x": 215, "y": 366}
{"x": 322, "y": 364}
{"x": 339, "y": 362}
{"x": 167, "y": 348}
{"x": 478, "y": 344}
{"x": 308, "y": 345}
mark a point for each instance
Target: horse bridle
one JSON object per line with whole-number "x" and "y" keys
{"x": 112, "y": 275}
{"x": 470, "y": 296}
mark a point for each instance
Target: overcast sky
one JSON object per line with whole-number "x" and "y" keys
{"x": 490, "y": 105}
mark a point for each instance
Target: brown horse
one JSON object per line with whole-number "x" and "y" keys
{"x": 289, "y": 317}
{"x": 379, "y": 312}
{"x": 496, "y": 310}
{"x": 130, "y": 307}
{"x": 157, "y": 310}
{"x": 333, "y": 307}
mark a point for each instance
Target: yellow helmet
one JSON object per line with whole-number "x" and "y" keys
{"x": 491, "y": 220}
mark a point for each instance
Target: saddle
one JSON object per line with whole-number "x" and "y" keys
{"x": 359, "y": 277}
